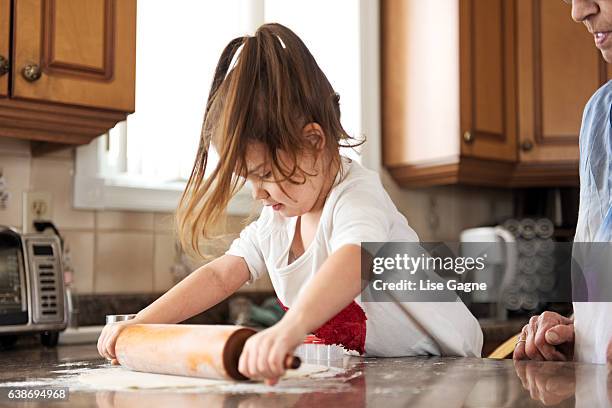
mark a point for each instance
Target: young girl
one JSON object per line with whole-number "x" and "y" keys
{"x": 274, "y": 119}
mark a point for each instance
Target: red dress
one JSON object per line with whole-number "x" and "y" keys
{"x": 347, "y": 328}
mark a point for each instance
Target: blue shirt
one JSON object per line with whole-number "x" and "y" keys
{"x": 595, "y": 213}
{"x": 592, "y": 309}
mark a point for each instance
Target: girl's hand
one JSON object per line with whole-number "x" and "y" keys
{"x": 108, "y": 338}
{"x": 264, "y": 353}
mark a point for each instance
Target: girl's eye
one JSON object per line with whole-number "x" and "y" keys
{"x": 267, "y": 175}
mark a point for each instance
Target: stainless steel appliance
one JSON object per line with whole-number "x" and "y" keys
{"x": 32, "y": 293}
{"x": 521, "y": 263}
{"x": 498, "y": 246}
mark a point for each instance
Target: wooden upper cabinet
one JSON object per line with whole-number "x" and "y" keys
{"x": 559, "y": 69}
{"x": 420, "y": 87}
{"x": 5, "y": 12}
{"x": 524, "y": 72}
{"x": 84, "y": 51}
{"x": 488, "y": 85}
{"x": 72, "y": 69}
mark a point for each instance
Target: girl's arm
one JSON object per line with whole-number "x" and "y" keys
{"x": 202, "y": 289}
{"x": 334, "y": 286}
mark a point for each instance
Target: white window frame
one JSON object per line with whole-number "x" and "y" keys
{"x": 102, "y": 187}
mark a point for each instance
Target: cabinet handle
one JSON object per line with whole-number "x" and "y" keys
{"x": 4, "y": 65}
{"x": 31, "y": 72}
{"x": 527, "y": 145}
{"x": 468, "y": 137}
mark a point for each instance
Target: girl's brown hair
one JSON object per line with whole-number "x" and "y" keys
{"x": 272, "y": 91}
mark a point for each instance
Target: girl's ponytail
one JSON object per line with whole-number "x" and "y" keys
{"x": 186, "y": 224}
{"x": 222, "y": 66}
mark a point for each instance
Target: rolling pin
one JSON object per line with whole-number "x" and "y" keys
{"x": 206, "y": 351}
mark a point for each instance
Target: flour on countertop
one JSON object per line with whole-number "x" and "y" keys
{"x": 119, "y": 378}
{"x": 39, "y": 382}
{"x": 72, "y": 371}
{"x": 74, "y": 363}
{"x": 116, "y": 378}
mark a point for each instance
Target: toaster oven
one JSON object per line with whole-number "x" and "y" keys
{"x": 32, "y": 295}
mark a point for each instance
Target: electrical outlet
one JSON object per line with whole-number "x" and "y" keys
{"x": 37, "y": 205}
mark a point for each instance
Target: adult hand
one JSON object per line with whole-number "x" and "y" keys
{"x": 548, "y": 336}
{"x": 546, "y": 383}
{"x": 265, "y": 353}
{"x": 108, "y": 338}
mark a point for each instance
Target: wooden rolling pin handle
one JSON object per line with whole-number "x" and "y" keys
{"x": 292, "y": 362}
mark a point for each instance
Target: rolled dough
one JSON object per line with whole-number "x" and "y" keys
{"x": 117, "y": 378}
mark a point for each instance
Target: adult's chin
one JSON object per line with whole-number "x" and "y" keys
{"x": 607, "y": 55}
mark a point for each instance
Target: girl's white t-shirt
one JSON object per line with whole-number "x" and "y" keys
{"x": 358, "y": 209}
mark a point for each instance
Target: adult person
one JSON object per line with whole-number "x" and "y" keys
{"x": 586, "y": 336}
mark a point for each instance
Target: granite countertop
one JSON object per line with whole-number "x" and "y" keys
{"x": 389, "y": 382}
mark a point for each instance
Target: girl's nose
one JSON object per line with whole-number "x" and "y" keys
{"x": 258, "y": 192}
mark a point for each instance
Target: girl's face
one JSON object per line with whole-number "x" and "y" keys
{"x": 299, "y": 198}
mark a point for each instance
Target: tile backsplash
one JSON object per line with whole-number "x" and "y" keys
{"x": 441, "y": 213}
{"x": 133, "y": 252}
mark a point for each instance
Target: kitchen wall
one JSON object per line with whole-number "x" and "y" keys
{"x": 133, "y": 252}
{"x": 441, "y": 213}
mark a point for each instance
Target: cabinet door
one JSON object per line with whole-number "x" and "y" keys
{"x": 559, "y": 68}
{"x": 5, "y": 15}
{"x": 488, "y": 86}
{"x": 85, "y": 51}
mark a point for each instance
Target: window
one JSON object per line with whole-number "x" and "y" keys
{"x": 144, "y": 163}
